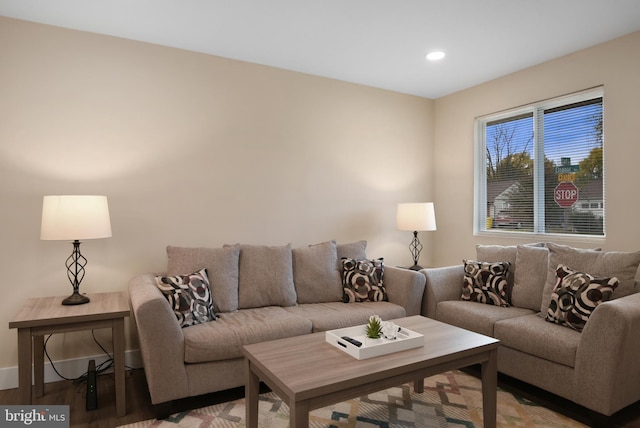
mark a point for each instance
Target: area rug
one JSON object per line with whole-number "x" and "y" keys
{"x": 452, "y": 399}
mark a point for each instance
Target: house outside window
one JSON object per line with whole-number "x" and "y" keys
{"x": 539, "y": 168}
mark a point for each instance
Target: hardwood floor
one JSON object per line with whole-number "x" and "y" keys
{"x": 139, "y": 407}
{"x": 67, "y": 392}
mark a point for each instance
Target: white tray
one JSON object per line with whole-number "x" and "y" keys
{"x": 407, "y": 339}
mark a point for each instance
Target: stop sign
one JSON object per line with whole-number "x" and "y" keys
{"x": 565, "y": 194}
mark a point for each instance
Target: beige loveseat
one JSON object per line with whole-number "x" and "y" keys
{"x": 259, "y": 293}
{"x": 598, "y": 367}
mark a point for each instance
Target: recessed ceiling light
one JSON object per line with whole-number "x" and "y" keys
{"x": 435, "y": 55}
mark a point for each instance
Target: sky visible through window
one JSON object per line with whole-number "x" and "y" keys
{"x": 567, "y": 134}
{"x": 572, "y": 133}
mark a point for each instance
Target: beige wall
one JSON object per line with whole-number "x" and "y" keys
{"x": 191, "y": 150}
{"x": 616, "y": 65}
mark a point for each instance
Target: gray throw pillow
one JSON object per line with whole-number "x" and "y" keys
{"x": 265, "y": 276}
{"x": 353, "y": 250}
{"x": 499, "y": 253}
{"x": 502, "y": 253}
{"x": 315, "y": 273}
{"x": 623, "y": 265}
{"x": 222, "y": 270}
{"x": 530, "y": 277}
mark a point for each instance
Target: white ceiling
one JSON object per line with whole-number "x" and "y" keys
{"x": 379, "y": 43}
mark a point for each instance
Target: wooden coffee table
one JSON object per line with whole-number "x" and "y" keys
{"x": 308, "y": 373}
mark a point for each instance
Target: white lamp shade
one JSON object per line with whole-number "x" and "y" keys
{"x": 71, "y": 217}
{"x": 416, "y": 217}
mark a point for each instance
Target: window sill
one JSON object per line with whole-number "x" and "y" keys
{"x": 542, "y": 237}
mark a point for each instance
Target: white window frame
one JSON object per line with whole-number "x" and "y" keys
{"x": 480, "y": 165}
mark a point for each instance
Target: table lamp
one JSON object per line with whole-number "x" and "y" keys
{"x": 75, "y": 218}
{"x": 416, "y": 217}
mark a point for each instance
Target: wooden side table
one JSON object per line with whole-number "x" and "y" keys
{"x": 46, "y": 315}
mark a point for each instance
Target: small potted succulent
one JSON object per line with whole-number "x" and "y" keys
{"x": 374, "y": 327}
{"x": 377, "y": 329}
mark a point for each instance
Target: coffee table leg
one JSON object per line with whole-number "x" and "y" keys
{"x": 418, "y": 385}
{"x": 252, "y": 389}
{"x": 298, "y": 414}
{"x": 490, "y": 389}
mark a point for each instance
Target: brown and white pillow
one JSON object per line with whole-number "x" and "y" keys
{"x": 363, "y": 280}
{"x": 486, "y": 282}
{"x": 189, "y": 297}
{"x": 576, "y": 295}
{"x": 603, "y": 264}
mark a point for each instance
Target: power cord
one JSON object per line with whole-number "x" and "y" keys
{"x": 105, "y": 365}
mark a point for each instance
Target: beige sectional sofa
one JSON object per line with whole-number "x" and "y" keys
{"x": 597, "y": 367}
{"x": 259, "y": 293}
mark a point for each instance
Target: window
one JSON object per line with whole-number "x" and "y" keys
{"x": 539, "y": 168}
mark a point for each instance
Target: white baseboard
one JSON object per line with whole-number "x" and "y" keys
{"x": 70, "y": 369}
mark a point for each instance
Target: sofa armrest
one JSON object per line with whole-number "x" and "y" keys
{"x": 607, "y": 369}
{"x": 161, "y": 340}
{"x": 405, "y": 288}
{"x": 444, "y": 283}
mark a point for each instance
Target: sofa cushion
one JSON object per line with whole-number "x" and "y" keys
{"x": 332, "y": 315}
{"x": 533, "y": 335}
{"x": 363, "y": 280}
{"x": 265, "y": 276}
{"x": 474, "y": 316}
{"x": 576, "y": 295}
{"x": 530, "y": 276}
{"x": 503, "y": 253}
{"x": 224, "y": 338}
{"x": 189, "y": 297}
{"x": 351, "y": 250}
{"x": 499, "y": 253}
{"x": 315, "y": 275}
{"x": 622, "y": 265}
{"x": 486, "y": 282}
{"x": 222, "y": 269}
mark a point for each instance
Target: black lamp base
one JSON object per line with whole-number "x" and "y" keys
{"x": 75, "y": 272}
{"x": 415, "y": 249}
{"x": 76, "y": 299}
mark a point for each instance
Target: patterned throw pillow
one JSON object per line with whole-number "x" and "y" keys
{"x": 189, "y": 297}
{"x": 576, "y": 295}
{"x": 363, "y": 280}
{"x": 486, "y": 282}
